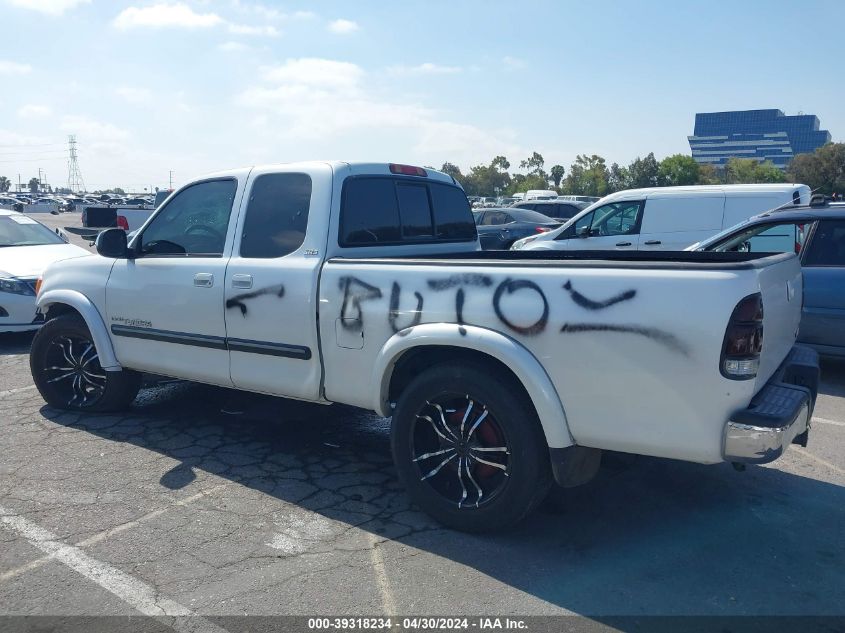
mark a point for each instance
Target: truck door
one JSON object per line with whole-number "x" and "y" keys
{"x": 165, "y": 306}
{"x": 272, "y": 280}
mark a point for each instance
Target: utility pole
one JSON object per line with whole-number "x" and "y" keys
{"x": 74, "y": 174}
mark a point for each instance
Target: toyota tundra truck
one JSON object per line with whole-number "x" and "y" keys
{"x": 503, "y": 372}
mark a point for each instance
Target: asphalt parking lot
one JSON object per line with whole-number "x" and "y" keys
{"x": 202, "y": 501}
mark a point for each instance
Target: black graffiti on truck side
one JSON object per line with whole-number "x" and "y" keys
{"x": 459, "y": 281}
{"x": 589, "y": 304}
{"x": 655, "y": 334}
{"x": 393, "y": 314}
{"x": 513, "y": 285}
{"x": 354, "y": 292}
{"x": 238, "y": 300}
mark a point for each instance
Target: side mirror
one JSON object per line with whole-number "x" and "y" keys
{"x": 112, "y": 243}
{"x": 584, "y": 231}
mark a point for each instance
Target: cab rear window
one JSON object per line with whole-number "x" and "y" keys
{"x": 384, "y": 210}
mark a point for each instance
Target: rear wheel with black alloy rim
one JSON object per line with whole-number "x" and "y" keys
{"x": 469, "y": 448}
{"x": 67, "y": 372}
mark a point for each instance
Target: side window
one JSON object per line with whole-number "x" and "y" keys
{"x": 276, "y": 215}
{"x": 194, "y": 222}
{"x": 827, "y": 247}
{"x": 616, "y": 218}
{"x": 584, "y": 223}
{"x": 479, "y": 218}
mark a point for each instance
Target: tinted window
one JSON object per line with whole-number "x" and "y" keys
{"x": 370, "y": 211}
{"x": 372, "y": 208}
{"x": 194, "y": 222}
{"x": 276, "y": 215}
{"x": 765, "y": 238}
{"x": 452, "y": 215}
{"x": 828, "y": 245}
{"x": 526, "y": 215}
{"x": 414, "y": 210}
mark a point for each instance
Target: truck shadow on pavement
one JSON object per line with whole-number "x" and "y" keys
{"x": 12, "y": 343}
{"x": 648, "y": 536}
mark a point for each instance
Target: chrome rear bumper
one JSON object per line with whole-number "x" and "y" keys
{"x": 778, "y": 415}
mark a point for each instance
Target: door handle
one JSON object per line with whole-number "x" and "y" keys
{"x": 204, "y": 280}
{"x": 652, "y": 242}
{"x": 241, "y": 281}
{"x": 623, "y": 243}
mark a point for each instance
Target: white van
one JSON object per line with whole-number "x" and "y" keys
{"x": 664, "y": 218}
{"x": 540, "y": 194}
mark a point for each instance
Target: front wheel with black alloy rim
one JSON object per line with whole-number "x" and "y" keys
{"x": 67, "y": 372}
{"x": 469, "y": 448}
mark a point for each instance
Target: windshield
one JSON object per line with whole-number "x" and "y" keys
{"x": 769, "y": 237}
{"x": 22, "y": 230}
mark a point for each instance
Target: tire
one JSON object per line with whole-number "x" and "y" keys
{"x": 67, "y": 370}
{"x": 481, "y": 411}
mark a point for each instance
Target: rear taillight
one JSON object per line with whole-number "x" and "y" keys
{"x": 407, "y": 170}
{"x": 542, "y": 229}
{"x": 743, "y": 340}
{"x": 122, "y": 223}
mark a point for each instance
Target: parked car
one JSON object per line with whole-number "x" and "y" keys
{"x": 499, "y": 228}
{"x": 11, "y": 204}
{"x": 817, "y": 233}
{"x": 664, "y": 218}
{"x": 553, "y": 208}
{"x": 27, "y": 247}
{"x": 501, "y": 370}
{"x": 587, "y": 199}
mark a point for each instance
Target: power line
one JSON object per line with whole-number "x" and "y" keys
{"x": 74, "y": 174}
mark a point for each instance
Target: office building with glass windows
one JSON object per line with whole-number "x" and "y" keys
{"x": 758, "y": 134}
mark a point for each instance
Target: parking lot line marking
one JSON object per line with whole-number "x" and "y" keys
{"x": 382, "y": 582}
{"x": 9, "y": 392}
{"x": 101, "y": 536}
{"x": 824, "y": 462}
{"x": 129, "y": 589}
{"x": 825, "y": 421}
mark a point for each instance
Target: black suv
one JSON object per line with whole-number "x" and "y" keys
{"x": 557, "y": 209}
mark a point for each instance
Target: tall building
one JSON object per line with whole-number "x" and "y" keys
{"x": 758, "y": 134}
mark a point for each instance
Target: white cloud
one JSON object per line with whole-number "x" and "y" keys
{"x": 165, "y": 15}
{"x": 233, "y": 47}
{"x": 33, "y": 110}
{"x": 245, "y": 29}
{"x": 48, "y": 7}
{"x": 310, "y": 71}
{"x": 426, "y": 68}
{"x": 93, "y": 131}
{"x": 342, "y": 27}
{"x": 304, "y": 15}
{"x": 134, "y": 95}
{"x": 14, "y": 68}
{"x": 319, "y": 99}
{"x": 513, "y": 63}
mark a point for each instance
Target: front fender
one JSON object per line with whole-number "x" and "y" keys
{"x": 523, "y": 363}
{"x": 89, "y": 312}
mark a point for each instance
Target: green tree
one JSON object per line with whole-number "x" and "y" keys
{"x": 707, "y": 175}
{"x": 501, "y": 163}
{"x": 557, "y": 172}
{"x": 588, "y": 176}
{"x": 33, "y": 185}
{"x": 5, "y": 183}
{"x": 748, "y": 170}
{"x": 533, "y": 164}
{"x": 618, "y": 178}
{"x": 643, "y": 172}
{"x": 454, "y": 171}
{"x": 823, "y": 170}
{"x": 485, "y": 180}
{"x": 677, "y": 170}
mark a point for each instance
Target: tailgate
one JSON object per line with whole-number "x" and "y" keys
{"x": 781, "y": 285}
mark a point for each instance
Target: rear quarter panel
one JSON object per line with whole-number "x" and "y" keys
{"x": 633, "y": 353}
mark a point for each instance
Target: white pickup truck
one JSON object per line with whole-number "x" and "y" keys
{"x": 364, "y": 284}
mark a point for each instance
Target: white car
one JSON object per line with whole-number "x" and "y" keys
{"x": 27, "y": 247}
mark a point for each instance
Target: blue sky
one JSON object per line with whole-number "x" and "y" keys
{"x": 202, "y": 85}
